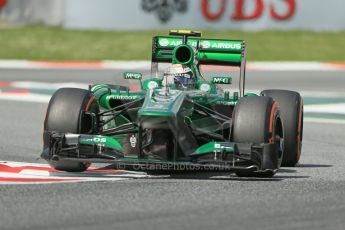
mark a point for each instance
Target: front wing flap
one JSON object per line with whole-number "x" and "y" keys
{"x": 224, "y": 156}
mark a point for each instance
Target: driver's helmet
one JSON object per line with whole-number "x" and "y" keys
{"x": 180, "y": 75}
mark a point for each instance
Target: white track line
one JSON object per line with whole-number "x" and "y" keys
{"x": 31, "y": 173}
{"x": 324, "y": 120}
{"x": 336, "y": 108}
{"x": 140, "y": 64}
{"x": 289, "y": 66}
{"x": 47, "y": 85}
{"x": 38, "y": 98}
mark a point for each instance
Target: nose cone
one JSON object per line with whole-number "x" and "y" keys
{"x": 162, "y": 103}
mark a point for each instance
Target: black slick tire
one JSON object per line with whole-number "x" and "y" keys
{"x": 65, "y": 115}
{"x": 291, "y": 109}
{"x": 257, "y": 120}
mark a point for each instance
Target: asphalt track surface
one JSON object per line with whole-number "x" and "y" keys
{"x": 309, "y": 196}
{"x": 329, "y": 81}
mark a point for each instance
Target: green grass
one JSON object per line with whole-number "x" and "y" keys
{"x": 44, "y": 43}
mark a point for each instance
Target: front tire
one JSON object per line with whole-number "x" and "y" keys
{"x": 257, "y": 120}
{"x": 65, "y": 114}
{"x": 291, "y": 109}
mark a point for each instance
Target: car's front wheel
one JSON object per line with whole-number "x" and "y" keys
{"x": 291, "y": 109}
{"x": 66, "y": 114}
{"x": 257, "y": 120}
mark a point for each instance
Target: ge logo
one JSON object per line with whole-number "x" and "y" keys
{"x": 164, "y": 8}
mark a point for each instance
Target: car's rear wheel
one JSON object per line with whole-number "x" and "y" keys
{"x": 257, "y": 120}
{"x": 66, "y": 114}
{"x": 291, "y": 109}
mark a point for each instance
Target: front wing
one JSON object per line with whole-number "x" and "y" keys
{"x": 103, "y": 149}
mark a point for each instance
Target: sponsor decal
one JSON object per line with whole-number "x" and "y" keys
{"x": 217, "y": 146}
{"x": 205, "y": 45}
{"x": 226, "y": 102}
{"x": 241, "y": 12}
{"x": 223, "y": 45}
{"x": 163, "y": 42}
{"x": 152, "y": 85}
{"x": 132, "y": 75}
{"x": 222, "y": 146}
{"x": 221, "y": 80}
{"x": 123, "y": 97}
{"x": 172, "y": 42}
{"x": 164, "y": 9}
{"x": 205, "y": 87}
{"x": 175, "y": 43}
{"x": 97, "y": 139}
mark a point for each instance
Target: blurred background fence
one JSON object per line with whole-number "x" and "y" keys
{"x": 164, "y": 14}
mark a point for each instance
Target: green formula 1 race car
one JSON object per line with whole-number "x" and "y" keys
{"x": 177, "y": 120}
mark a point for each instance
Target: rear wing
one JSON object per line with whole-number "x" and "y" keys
{"x": 209, "y": 51}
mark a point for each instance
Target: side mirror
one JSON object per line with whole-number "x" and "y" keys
{"x": 132, "y": 75}
{"x": 221, "y": 80}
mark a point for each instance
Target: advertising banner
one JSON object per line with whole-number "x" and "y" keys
{"x": 316, "y": 15}
{"x": 206, "y": 14}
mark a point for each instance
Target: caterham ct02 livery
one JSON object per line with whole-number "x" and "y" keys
{"x": 177, "y": 120}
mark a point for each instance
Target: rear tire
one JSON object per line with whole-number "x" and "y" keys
{"x": 65, "y": 115}
{"x": 291, "y": 109}
{"x": 257, "y": 120}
